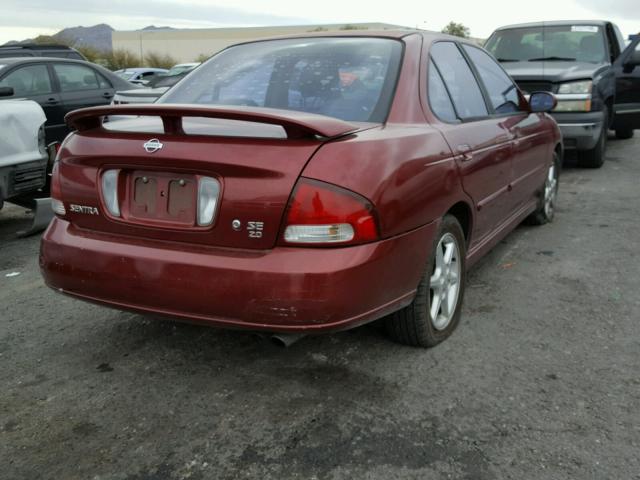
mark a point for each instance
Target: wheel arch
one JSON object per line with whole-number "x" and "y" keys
{"x": 464, "y": 214}
{"x": 609, "y": 102}
{"x": 559, "y": 150}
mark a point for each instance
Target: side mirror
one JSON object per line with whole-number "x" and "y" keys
{"x": 632, "y": 61}
{"x": 6, "y": 92}
{"x": 542, "y": 102}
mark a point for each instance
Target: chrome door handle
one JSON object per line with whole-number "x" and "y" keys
{"x": 464, "y": 151}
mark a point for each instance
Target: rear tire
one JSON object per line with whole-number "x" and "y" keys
{"x": 594, "y": 158}
{"x": 624, "y": 134}
{"x": 548, "y": 195}
{"x": 441, "y": 290}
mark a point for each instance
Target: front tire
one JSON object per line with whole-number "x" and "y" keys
{"x": 624, "y": 134}
{"x": 435, "y": 311}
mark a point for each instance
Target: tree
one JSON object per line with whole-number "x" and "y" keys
{"x": 159, "y": 60}
{"x": 457, "y": 29}
{"x": 349, "y": 26}
{"x": 90, "y": 53}
{"x": 121, "y": 58}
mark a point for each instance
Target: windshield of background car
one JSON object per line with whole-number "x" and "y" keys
{"x": 347, "y": 78}
{"x": 126, "y": 75}
{"x": 169, "y": 80}
{"x": 179, "y": 69}
{"x": 582, "y": 43}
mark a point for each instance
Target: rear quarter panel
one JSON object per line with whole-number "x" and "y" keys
{"x": 407, "y": 171}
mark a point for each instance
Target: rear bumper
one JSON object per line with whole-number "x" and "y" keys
{"x": 580, "y": 131}
{"x": 282, "y": 289}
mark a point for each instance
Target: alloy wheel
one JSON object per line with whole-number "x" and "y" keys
{"x": 444, "y": 285}
{"x": 550, "y": 191}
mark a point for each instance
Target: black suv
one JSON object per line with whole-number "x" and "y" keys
{"x": 587, "y": 66}
{"x": 59, "y": 85}
{"x": 36, "y": 50}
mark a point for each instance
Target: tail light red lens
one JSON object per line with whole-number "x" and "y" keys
{"x": 323, "y": 214}
{"x": 56, "y": 192}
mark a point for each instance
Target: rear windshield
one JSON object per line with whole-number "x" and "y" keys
{"x": 347, "y": 78}
{"x": 582, "y": 43}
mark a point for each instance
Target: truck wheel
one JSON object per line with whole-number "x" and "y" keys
{"x": 548, "y": 195}
{"x": 435, "y": 311}
{"x": 624, "y": 134}
{"x": 594, "y": 158}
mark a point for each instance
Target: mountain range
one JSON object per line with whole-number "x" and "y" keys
{"x": 97, "y": 36}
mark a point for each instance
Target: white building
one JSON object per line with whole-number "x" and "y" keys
{"x": 186, "y": 45}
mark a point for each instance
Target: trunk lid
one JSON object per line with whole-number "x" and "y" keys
{"x": 158, "y": 190}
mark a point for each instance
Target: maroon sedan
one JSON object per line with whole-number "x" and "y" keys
{"x": 304, "y": 185}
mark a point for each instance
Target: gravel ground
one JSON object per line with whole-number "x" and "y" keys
{"x": 540, "y": 381}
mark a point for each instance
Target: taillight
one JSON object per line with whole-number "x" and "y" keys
{"x": 323, "y": 214}
{"x": 56, "y": 192}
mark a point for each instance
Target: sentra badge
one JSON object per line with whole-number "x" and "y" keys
{"x": 84, "y": 209}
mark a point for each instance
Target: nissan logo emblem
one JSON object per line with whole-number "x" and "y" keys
{"x": 152, "y": 145}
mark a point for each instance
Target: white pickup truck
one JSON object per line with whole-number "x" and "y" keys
{"x": 23, "y": 153}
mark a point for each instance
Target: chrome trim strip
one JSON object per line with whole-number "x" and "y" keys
{"x": 622, "y": 112}
{"x": 573, "y": 97}
{"x": 585, "y": 125}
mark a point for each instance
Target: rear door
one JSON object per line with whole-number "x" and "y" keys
{"x": 531, "y": 146}
{"x": 33, "y": 81}
{"x": 81, "y": 86}
{"x": 481, "y": 143}
{"x": 627, "y": 71}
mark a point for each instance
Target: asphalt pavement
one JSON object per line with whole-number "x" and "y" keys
{"x": 540, "y": 381}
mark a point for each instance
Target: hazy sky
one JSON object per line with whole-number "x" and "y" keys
{"x": 26, "y": 18}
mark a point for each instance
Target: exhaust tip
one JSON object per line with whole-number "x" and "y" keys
{"x": 285, "y": 340}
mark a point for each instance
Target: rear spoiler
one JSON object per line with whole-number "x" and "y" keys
{"x": 296, "y": 124}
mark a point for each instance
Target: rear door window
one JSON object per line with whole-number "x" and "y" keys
{"x": 439, "y": 99}
{"x": 459, "y": 79}
{"x": 503, "y": 93}
{"x": 28, "y": 81}
{"x": 103, "y": 82}
{"x": 74, "y": 78}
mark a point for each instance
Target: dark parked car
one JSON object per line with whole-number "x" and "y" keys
{"x": 627, "y": 70}
{"x": 38, "y": 50}
{"x": 59, "y": 86}
{"x": 305, "y": 185}
{"x": 580, "y": 62}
